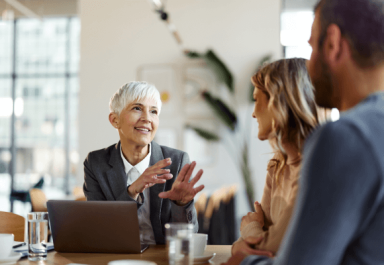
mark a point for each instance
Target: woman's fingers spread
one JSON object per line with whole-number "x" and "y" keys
{"x": 158, "y": 172}
{"x": 164, "y": 162}
{"x": 182, "y": 172}
{"x": 197, "y": 177}
{"x": 164, "y": 194}
{"x": 190, "y": 171}
{"x": 165, "y": 176}
{"x": 198, "y": 189}
{"x": 158, "y": 179}
{"x": 161, "y": 164}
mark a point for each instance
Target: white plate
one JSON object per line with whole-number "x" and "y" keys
{"x": 205, "y": 258}
{"x": 131, "y": 262}
{"x": 11, "y": 259}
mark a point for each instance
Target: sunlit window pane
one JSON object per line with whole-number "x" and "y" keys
{"x": 303, "y": 51}
{"x": 46, "y": 97}
{"x": 5, "y": 143}
{"x": 6, "y": 39}
{"x": 295, "y": 33}
{"x": 74, "y": 42}
{"x": 41, "y": 46}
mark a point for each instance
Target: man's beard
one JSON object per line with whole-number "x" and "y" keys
{"x": 324, "y": 89}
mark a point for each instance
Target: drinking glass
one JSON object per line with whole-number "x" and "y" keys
{"x": 179, "y": 243}
{"x": 37, "y": 236}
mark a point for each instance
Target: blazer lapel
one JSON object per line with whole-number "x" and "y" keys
{"x": 116, "y": 174}
{"x": 155, "y": 201}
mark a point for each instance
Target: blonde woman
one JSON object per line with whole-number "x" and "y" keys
{"x": 286, "y": 113}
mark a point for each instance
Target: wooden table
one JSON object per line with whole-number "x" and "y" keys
{"x": 157, "y": 254}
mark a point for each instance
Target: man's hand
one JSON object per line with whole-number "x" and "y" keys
{"x": 242, "y": 249}
{"x": 246, "y": 246}
{"x": 151, "y": 176}
{"x": 235, "y": 259}
{"x": 257, "y": 216}
{"x": 182, "y": 190}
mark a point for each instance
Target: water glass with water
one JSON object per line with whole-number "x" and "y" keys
{"x": 179, "y": 243}
{"x": 37, "y": 236}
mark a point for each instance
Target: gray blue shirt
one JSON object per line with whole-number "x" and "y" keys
{"x": 339, "y": 213}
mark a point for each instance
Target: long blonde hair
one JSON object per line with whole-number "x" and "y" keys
{"x": 292, "y": 102}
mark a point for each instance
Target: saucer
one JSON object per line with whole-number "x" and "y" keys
{"x": 131, "y": 262}
{"x": 205, "y": 258}
{"x": 11, "y": 258}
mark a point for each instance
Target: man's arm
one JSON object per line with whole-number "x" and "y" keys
{"x": 336, "y": 198}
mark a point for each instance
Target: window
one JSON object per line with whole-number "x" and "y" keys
{"x": 39, "y": 77}
{"x": 295, "y": 33}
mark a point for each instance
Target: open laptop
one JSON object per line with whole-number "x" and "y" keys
{"x": 95, "y": 226}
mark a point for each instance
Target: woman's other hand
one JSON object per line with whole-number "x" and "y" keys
{"x": 257, "y": 216}
{"x": 182, "y": 190}
{"x": 151, "y": 176}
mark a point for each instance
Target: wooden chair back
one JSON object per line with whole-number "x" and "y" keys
{"x": 201, "y": 203}
{"x": 13, "y": 224}
{"x": 78, "y": 193}
{"x": 38, "y": 200}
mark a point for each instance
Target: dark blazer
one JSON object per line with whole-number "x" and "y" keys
{"x": 105, "y": 180}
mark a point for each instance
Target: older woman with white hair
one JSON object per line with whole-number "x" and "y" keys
{"x": 137, "y": 169}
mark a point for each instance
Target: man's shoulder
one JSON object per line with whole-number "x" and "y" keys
{"x": 358, "y": 133}
{"x": 365, "y": 121}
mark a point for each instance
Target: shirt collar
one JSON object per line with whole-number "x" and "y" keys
{"x": 141, "y": 166}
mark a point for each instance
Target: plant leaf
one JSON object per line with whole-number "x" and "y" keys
{"x": 207, "y": 135}
{"x": 224, "y": 113}
{"x": 245, "y": 170}
{"x": 192, "y": 54}
{"x": 220, "y": 69}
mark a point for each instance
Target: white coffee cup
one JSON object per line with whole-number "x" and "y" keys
{"x": 6, "y": 244}
{"x": 199, "y": 244}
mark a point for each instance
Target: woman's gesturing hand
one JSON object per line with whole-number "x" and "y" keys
{"x": 182, "y": 190}
{"x": 151, "y": 176}
{"x": 257, "y": 216}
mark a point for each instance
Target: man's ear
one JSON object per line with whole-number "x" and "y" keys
{"x": 114, "y": 119}
{"x": 335, "y": 46}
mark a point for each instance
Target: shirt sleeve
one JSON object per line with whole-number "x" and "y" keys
{"x": 339, "y": 184}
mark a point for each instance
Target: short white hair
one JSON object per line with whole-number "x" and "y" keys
{"x": 131, "y": 91}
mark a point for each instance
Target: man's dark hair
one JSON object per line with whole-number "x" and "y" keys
{"x": 361, "y": 22}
